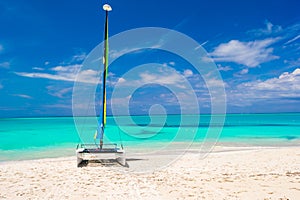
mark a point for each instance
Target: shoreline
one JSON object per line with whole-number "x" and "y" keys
{"x": 54, "y": 153}
{"x": 218, "y": 150}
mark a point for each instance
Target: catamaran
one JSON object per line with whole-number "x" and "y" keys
{"x": 101, "y": 151}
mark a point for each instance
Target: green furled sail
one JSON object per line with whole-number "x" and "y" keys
{"x": 102, "y": 121}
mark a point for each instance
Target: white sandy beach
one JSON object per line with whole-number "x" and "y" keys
{"x": 260, "y": 173}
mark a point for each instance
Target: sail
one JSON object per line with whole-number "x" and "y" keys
{"x": 105, "y": 63}
{"x": 102, "y": 120}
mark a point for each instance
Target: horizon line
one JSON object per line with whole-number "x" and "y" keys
{"x": 237, "y": 113}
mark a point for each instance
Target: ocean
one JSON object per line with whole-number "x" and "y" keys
{"x": 48, "y": 137}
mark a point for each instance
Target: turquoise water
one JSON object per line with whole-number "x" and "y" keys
{"x": 29, "y": 138}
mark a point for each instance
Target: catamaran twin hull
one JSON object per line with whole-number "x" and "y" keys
{"x": 94, "y": 154}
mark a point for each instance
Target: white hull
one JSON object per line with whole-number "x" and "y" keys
{"x": 118, "y": 155}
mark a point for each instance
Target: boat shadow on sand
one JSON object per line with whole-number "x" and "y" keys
{"x": 107, "y": 162}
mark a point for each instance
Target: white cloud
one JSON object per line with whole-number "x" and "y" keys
{"x": 144, "y": 78}
{"x": 267, "y": 30}
{"x": 289, "y": 33}
{"x": 169, "y": 98}
{"x": 5, "y": 65}
{"x": 117, "y": 53}
{"x": 244, "y": 71}
{"x": 292, "y": 33}
{"x": 70, "y": 68}
{"x": 61, "y": 93}
{"x": 111, "y": 74}
{"x": 293, "y": 63}
{"x": 187, "y": 73}
{"x": 23, "y": 96}
{"x": 38, "y": 68}
{"x": 204, "y": 43}
{"x": 215, "y": 83}
{"x": 121, "y": 80}
{"x": 65, "y": 73}
{"x": 287, "y": 85}
{"x": 250, "y": 54}
{"x": 44, "y": 75}
{"x": 76, "y": 59}
{"x": 293, "y": 39}
{"x": 172, "y": 63}
{"x": 79, "y": 57}
{"x": 224, "y": 68}
{"x": 164, "y": 79}
{"x": 165, "y": 64}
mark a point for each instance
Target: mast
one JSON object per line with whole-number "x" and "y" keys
{"x": 107, "y": 8}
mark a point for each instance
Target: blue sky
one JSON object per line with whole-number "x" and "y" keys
{"x": 255, "y": 45}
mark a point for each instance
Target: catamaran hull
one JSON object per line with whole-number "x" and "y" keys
{"x": 118, "y": 155}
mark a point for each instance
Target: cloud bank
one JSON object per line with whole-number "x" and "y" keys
{"x": 250, "y": 54}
